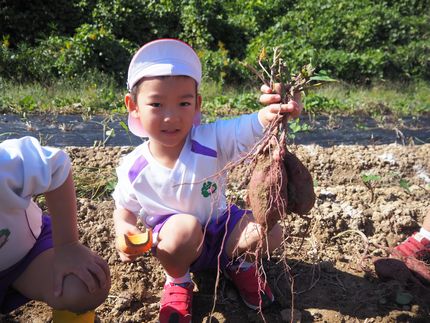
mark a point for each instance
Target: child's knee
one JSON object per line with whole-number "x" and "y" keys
{"x": 275, "y": 237}
{"x": 181, "y": 237}
{"x": 272, "y": 239}
{"x": 181, "y": 230}
{"x": 76, "y": 297}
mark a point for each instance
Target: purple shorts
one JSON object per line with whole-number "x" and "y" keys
{"x": 216, "y": 236}
{"x": 10, "y": 298}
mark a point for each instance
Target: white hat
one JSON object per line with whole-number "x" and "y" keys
{"x": 159, "y": 58}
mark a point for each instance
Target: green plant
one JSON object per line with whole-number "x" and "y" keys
{"x": 296, "y": 126}
{"x": 215, "y": 64}
{"x": 369, "y": 181}
{"x": 28, "y": 103}
{"x": 315, "y": 103}
{"x": 405, "y": 185}
{"x": 33, "y": 20}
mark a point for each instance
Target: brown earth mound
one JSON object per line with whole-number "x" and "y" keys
{"x": 333, "y": 279}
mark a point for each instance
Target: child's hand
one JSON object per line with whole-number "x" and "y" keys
{"x": 271, "y": 100}
{"x": 74, "y": 258}
{"x": 126, "y": 230}
{"x": 125, "y": 223}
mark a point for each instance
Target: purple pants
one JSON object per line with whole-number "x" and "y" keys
{"x": 215, "y": 238}
{"x": 10, "y": 298}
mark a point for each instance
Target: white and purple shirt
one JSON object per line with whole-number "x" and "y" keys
{"x": 26, "y": 169}
{"x": 195, "y": 184}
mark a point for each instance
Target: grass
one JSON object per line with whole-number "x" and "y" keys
{"x": 84, "y": 95}
{"x": 94, "y": 182}
{"x": 402, "y": 99}
{"x": 98, "y": 94}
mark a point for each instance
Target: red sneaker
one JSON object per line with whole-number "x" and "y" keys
{"x": 409, "y": 261}
{"x": 254, "y": 290}
{"x": 415, "y": 246}
{"x": 176, "y": 303}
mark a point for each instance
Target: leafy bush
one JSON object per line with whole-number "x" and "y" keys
{"x": 356, "y": 41}
{"x": 28, "y": 21}
{"x": 138, "y": 21}
{"x": 93, "y": 48}
{"x": 90, "y": 48}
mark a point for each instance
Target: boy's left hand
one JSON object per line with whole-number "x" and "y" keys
{"x": 272, "y": 108}
{"x": 76, "y": 259}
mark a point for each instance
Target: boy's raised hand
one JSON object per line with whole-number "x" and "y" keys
{"x": 74, "y": 258}
{"x": 271, "y": 99}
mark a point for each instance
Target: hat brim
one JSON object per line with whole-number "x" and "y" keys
{"x": 135, "y": 127}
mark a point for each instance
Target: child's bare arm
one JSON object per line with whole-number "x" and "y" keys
{"x": 71, "y": 257}
{"x": 61, "y": 204}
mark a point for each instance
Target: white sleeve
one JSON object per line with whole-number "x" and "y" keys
{"x": 237, "y": 136}
{"x": 27, "y": 169}
{"x": 123, "y": 194}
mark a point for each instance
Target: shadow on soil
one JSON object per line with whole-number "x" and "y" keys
{"x": 317, "y": 288}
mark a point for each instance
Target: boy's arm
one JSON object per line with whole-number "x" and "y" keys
{"x": 126, "y": 207}
{"x": 237, "y": 136}
{"x": 70, "y": 256}
{"x": 61, "y": 204}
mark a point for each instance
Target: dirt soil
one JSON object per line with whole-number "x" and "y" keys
{"x": 329, "y": 277}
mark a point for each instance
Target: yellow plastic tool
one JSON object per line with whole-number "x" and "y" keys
{"x": 61, "y": 316}
{"x": 135, "y": 244}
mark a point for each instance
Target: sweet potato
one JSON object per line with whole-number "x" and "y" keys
{"x": 279, "y": 186}
{"x": 266, "y": 191}
{"x": 301, "y": 195}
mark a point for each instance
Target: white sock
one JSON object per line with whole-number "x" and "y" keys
{"x": 179, "y": 280}
{"x": 425, "y": 233}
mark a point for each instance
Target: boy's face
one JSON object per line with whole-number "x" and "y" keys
{"x": 166, "y": 107}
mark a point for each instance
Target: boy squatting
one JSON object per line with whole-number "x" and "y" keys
{"x": 167, "y": 181}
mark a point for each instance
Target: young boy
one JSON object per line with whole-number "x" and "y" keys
{"x": 168, "y": 181}
{"x": 40, "y": 256}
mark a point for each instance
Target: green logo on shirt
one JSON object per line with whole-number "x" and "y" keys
{"x": 208, "y": 188}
